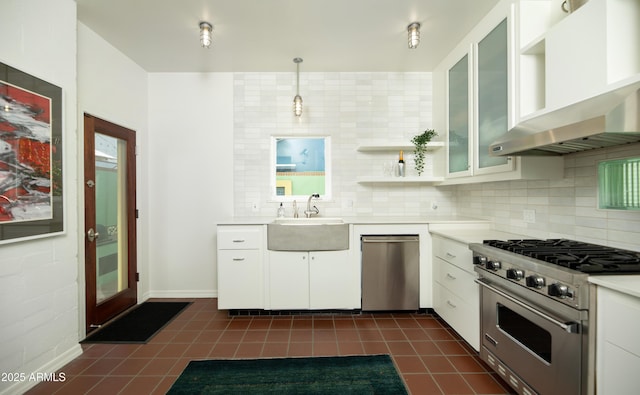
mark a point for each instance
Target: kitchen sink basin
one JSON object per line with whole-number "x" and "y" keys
{"x": 308, "y": 234}
{"x": 308, "y": 221}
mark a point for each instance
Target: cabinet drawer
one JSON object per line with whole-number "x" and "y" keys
{"x": 463, "y": 317}
{"x": 454, "y": 252}
{"x": 239, "y": 238}
{"x": 456, "y": 280}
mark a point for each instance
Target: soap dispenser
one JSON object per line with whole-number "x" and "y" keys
{"x": 281, "y": 211}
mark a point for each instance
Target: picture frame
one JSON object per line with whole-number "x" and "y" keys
{"x": 31, "y": 157}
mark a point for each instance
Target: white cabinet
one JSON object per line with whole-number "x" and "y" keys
{"x": 456, "y": 298}
{"x": 492, "y": 98}
{"x": 240, "y": 268}
{"x": 333, "y": 280}
{"x": 567, "y": 59}
{"x": 460, "y": 118}
{"x": 478, "y": 80}
{"x": 288, "y": 280}
{"x": 313, "y": 280}
{"x": 617, "y": 346}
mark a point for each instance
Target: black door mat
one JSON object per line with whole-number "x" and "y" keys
{"x": 138, "y": 325}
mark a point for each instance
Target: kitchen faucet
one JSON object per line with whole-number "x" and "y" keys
{"x": 309, "y": 212}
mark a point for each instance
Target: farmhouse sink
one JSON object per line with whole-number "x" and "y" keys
{"x": 308, "y": 221}
{"x": 308, "y": 234}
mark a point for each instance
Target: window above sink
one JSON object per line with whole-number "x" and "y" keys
{"x": 300, "y": 166}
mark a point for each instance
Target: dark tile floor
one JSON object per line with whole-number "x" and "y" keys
{"x": 431, "y": 357}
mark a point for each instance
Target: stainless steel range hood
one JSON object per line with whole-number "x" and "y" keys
{"x": 606, "y": 120}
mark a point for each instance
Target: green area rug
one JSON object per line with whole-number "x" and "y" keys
{"x": 366, "y": 374}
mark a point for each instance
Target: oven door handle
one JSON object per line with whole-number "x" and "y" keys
{"x": 570, "y": 327}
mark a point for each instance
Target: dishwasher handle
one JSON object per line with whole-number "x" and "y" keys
{"x": 390, "y": 238}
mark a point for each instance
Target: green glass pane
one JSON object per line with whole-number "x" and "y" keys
{"x": 619, "y": 184}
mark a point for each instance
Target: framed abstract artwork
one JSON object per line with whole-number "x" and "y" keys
{"x": 31, "y": 187}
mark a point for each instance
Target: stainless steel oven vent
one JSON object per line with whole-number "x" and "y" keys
{"x": 618, "y": 123}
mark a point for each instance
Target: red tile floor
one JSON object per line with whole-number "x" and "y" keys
{"x": 429, "y": 355}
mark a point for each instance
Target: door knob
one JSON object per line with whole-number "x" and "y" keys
{"x": 92, "y": 235}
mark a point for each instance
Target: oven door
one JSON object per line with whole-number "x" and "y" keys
{"x": 541, "y": 349}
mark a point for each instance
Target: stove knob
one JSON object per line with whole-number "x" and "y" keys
{"x": 515, "y": 274}
{"x": 493, "y": 265}
{"x": 559, "y": 290}
{"x": 535, "y": 281}
{"x": 479, "y": 260}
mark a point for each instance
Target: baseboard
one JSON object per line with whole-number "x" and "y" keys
{"x": 46, "y": 372}
{"x": 183, "y": 294}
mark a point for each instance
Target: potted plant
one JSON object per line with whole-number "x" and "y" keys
{"x": 420, "y": 141}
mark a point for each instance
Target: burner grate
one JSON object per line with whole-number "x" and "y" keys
{"x": 576, "y": 255}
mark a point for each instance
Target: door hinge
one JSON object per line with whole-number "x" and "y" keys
{"x": 137, "y": 213}
{"x": 137, "y": 277}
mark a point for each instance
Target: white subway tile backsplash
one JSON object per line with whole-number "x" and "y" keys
{"x": 354, "y": 108}
{"x": 564, "y": 208}
{"x": 359, "y": 108}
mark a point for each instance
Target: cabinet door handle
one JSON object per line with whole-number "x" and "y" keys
{"x": 450, "y": 276}
{"x": 238, "y": 259}
{"x": 238, "y": 240}
{"x": 451, "y": 304}
{"x": 450, "y": 255}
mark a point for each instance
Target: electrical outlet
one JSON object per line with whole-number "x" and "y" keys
{"x": 529, "y": 216}
{"x": 255, "y": 207}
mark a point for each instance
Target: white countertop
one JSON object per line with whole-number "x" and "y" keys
{"x": 468, "y": 236}
{"x": 435, "y": 219}
{"x": 627, "y": 284}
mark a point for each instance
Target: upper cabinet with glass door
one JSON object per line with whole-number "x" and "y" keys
{"x": 492, "y": 99}
{"x": 459, "y": 119}
{"x": 478, "y": 83}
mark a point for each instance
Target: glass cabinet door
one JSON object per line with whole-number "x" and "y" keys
{"x": 459, "y": 142}
{"x": 492, "y": 102}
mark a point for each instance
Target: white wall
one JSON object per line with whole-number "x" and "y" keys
{"x": 191, "y": 181}
{"x": 39, "y": 279}
{"x": 114, "y": 88}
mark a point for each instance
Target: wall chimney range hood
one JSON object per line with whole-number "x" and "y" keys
{"x": 606, "y": 120}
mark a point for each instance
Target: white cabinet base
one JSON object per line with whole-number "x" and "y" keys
{"x": 617, "y": 346}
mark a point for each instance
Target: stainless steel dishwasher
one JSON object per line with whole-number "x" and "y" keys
{"x": 390, "y": 272}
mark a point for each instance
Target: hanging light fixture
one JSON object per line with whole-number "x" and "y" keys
{"x": 297, "y": 100}
{"x": 414, "y": 35}
{"x": 205, "y": 34}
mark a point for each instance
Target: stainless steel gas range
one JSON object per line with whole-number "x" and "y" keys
{"x": 538, "y": 310}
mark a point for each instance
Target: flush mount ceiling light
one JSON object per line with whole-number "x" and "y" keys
{"x": 205, "y": 34}
{"x": 297, "y": 100}
{"x": 414, "y": 35}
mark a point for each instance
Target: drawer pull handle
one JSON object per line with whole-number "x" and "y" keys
{"x": 451, "y": 276}
{"x": 451, "y": 304}
{"x": 450, "y": 255}
{"x": 238, "y": 259}
{"x": 238, "y": 241}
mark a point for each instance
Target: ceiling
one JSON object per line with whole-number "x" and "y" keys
{"x": 265, "y": 35}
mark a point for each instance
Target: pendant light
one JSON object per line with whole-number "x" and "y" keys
{"x": 205, "y": 34}
{"x": 297, "y": 100}
{"x": 414, "y": 35}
